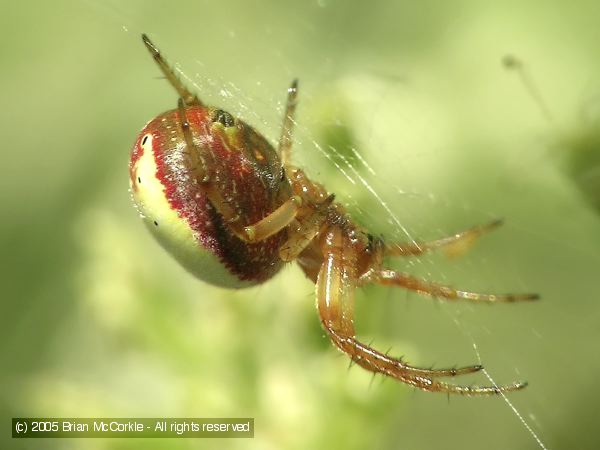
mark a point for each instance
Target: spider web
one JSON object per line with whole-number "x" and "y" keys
{"x": 402, "y": 171}
{"x": 355, "y": 173}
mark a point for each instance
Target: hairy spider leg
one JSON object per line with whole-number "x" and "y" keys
{"x": 454, "y": 245}
{"x": 302, "y": 233}
{"x": 336, "y": 284}
{"x": 184, "y": 93}
{"x": 285, "y": 141}
{"x": 410, "y": 282}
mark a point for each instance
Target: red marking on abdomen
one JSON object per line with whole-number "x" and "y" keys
{"x": 250, "y": 262}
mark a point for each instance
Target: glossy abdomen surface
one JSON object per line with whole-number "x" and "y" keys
{"x": 168, "y": 186}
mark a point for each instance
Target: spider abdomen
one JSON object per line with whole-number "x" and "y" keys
{"x": 169, "y": 186}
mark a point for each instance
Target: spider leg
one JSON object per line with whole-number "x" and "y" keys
{"x": 301, "y": 235}
{"x": 336, "y": 284}
{"x": 274, "y": 222}
{"x": 192, "y": 152}
{"x": 423, "y": 379}
{"x": 427, "y": 384}
{"x": 453, "y": 245}
{"x": 184, "y": 93}
{"x": 285, "y": 141}
{"x": 407, "y": 281}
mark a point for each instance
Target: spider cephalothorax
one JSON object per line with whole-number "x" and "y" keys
{"x": 233, "y": 210}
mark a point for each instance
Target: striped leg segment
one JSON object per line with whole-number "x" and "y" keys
{"x": 410, "y": 282}
{"x": 454, "y": 245}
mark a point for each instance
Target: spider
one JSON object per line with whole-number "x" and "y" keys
{"x": 233, "y": 210}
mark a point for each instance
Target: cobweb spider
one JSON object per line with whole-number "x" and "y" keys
{"x": 233, "y": 211}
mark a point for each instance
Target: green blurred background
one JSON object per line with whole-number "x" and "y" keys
{"x": 97, "y": 321}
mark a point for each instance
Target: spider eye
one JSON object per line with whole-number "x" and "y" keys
{"x": 224, "y": 118}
